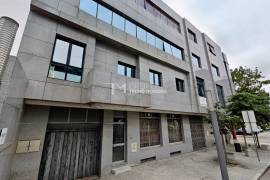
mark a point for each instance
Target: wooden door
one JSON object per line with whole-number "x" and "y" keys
{"x": 70, "y": 154}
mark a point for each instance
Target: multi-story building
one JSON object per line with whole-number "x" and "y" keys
{"x": 108, "y": 83}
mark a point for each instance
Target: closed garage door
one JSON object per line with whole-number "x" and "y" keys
{"x": 72, "y": 144}
{"x": 197, "y": 133}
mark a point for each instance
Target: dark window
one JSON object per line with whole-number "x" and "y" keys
{"x": 104, "y": 14}
{"x": 196, "y": 61}
{"x": 221, "y": 96}
{"x": 149, "y": 131}
{"x": 200, "y": 86}
{"x": 126, "y": 70}
{"x": 211, "y": 49}
{"x": 215, "y": 70}
{"x": 141, "y": 34}
{"x": 77, "y": 115}
{"x": 67, "y": 60}
{"x": 58, "y": 114}
{"x": 130, "y": 28}
{"x": 175, "y": 128}
{"x": 180, "y": 85}
{"x": 151, "y": 39}
{"x": 89, "y": 6}
{"x": 118, "y": 22}
{"x": 192, "y": 36}
{"x": 155, "y": 78}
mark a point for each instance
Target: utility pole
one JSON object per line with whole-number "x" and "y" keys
{"x": 219, "y": 146}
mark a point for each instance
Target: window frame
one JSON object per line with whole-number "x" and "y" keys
{"x": 211, "y": 49}
{"x": 159, "y": 77}
{"x": 172, "y": 119}
{"x": 199, "y": 63}
{"x": 221, "y": 98}
{"x": 217, "y": 72}
{"x": 133, "y": 69}
{"x": 193, "y": 35}
{"x": 67, "y": 66}
{"x": 150, "y": 120}
{"x": 200, "y": 83}
{"x": 180, "y": 88}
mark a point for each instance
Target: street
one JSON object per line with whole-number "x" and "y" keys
{"x": 266, "y": 176}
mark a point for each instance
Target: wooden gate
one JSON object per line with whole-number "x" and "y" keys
{"x": 197, "y": 133}
{"x": 70, "y": 154}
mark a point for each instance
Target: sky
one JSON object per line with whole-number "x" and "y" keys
{"x": 240, "y": 27}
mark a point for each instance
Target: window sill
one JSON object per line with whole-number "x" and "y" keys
{"x": 63, "y": 82}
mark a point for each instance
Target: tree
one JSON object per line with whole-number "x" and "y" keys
{"x": 260, "y": 104}
{"x": 247, "y": 80}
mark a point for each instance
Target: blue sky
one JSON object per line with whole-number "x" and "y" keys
{"x": 240, "y": 27}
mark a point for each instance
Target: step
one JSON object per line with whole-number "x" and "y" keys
{"x": 119, "y": 170}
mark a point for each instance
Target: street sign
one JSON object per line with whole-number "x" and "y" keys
{"x": 251, "y": 127}
{"x": 250, "y": 122}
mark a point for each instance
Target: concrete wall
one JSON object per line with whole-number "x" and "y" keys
{"x": 32, "y": 127}
{"x": 133, "y": 137}
{"x": 11, "y": 104}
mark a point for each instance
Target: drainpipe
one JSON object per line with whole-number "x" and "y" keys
{"x": 8, "y": 30}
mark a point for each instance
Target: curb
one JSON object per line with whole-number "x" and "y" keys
{"x": 261, "y": 173}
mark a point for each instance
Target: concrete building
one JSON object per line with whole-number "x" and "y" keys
{"x": 108, "y": 83}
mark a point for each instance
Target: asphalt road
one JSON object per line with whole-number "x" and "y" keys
{"x": 266, "y": 176}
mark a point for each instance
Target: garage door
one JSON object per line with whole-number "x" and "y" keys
{"x": 197, "y": 133}
{"x": 70, "y": 154}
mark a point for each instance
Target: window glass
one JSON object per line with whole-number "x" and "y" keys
{"x": 192, "y": 36}
{"x": 60, "y": 51}
{"x": 215, "y": 71}
{"x": 121, "y": 69}
{"x": 200, "y": 86}
{"x": 129, "y": 72}
{"x": 89, "y": 6}
{"x": 58, "y": 114}
{"x": 149, "y": 132}
{"x": 104, "y": 14}
{"x": 151, "y": 39}
{"x": 196, "y": 61}
{"x": 177, "y": 52}
{"x": 155, "y": 78}
{"x": 76, "y": 56}
{"x": 118, "y": 22}
{"x": 175, "y": 130}
{"x": 151, "y": 78}
{"x": 77, "y": 115}
{"x": 71, "y": 70}
{"x": 130, "y": 28}
{"x": 167, "y": 48}
{"x": 126, "y": 70}
{"x": 221, "y": 96}
{"x": 180, "y": 85}
{"x": 159, "y": 44}
{"x": 57, "y": 72}
{"x": 141, "y": 34}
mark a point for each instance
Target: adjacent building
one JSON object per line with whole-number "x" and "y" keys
{"x": 108, "y": 83}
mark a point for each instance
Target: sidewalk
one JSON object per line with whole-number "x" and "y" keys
{"x": 196, "y": 166}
